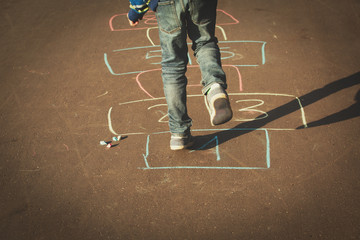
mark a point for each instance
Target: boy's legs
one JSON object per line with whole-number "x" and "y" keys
{"x": 172, "y": 32}
{"x": 197, "y": 18}
{"x": 201, "y": 22}
{"x": 201, "y": 29}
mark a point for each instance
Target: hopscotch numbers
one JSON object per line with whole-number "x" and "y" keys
{"x": 230, "y": 54}
{"x": 216, "y": 147}
{"x": 164, "y": 115}
{"x": 252, "y": 110}
{"x": 247, "y": 110}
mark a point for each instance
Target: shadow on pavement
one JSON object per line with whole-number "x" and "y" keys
{"x": 292, "y": 106}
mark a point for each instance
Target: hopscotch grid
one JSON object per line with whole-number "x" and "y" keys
{"x": 263, "y": 61}
{"x": 191, "y": 66}
{"x": 301, "y": 108}
{"x": 267, "y": 157}
{"x": 218, "y": 158}
{"x": 158, "y": 46}
{"x": 148, "y": 167}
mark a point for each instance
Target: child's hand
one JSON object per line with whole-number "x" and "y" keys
{"x": 133, "y": 24}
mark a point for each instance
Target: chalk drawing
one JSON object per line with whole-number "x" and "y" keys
{"x": 66, "y": 146}
{"x": 150, "y": 54}
{"x": 147, "y": 152}
{"x": 218, "y": 158}
{"x": 267, "y": 154}
{"x": 150, "y": 19}
{"x": 161, "y": 120}
{"x": 229, "y": 56}
{"x": 110, "y": 122}
{"x": 112, "y": 130}
{"x": 153, "y": 102}
{"x": 233, "y": 20}
{"x": 102, "y": 94}
{"x": 148, "y": 35}
{"x": 190, "y": 66}
{"x": 222, "y": 31}
{"x": 252, "y": 109}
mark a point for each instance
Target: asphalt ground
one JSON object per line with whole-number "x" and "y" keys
{"x": 73, "y": 73}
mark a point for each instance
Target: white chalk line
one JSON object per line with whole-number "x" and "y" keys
{"x": 109, "y": 122}
{"x": 223, "y": 32}
{"x": 302, "y": 113}
{"x": 161, "y": 120}
{"x": 238, "y": 94}
{"x": 148, "y": 35}
{"x": 115, "y": 133}
{"x": 251, "y": 109}
{"x": 102, "y": 94}
{"x": 200, "y": 95}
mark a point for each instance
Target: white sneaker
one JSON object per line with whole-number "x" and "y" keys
{"x": 218, "y": 105}
{"x": 179, "y": 141}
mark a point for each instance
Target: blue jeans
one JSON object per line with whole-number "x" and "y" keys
{"x": 177, "y": 19}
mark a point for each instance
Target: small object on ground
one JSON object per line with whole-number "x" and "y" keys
{"x": 118, "y": 138}
{"x": 103, "y": 143}
{"x": 108, "y": 145}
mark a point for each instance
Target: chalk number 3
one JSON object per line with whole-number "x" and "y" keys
{"x": 251, "y": 111}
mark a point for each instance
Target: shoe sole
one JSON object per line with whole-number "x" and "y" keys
{"x": 222, "y": 112}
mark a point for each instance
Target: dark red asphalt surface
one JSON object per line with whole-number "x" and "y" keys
{"x": 70, "y": 80}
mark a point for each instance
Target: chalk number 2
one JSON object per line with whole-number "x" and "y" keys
{"x": 164, "y": 118}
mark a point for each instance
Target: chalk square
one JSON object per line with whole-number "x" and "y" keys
{"x": 224, "y": 149}
{"x": 273, "y": 111}
{"x": 147, "y": 58}
{"x": 250, "y": 111}
{"x": 149, "y": 81}
{"x": 144, "y": 116}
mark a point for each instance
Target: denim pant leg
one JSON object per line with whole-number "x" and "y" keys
{"x": 172, "y": 33}
{"x": 201, "y": 29}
